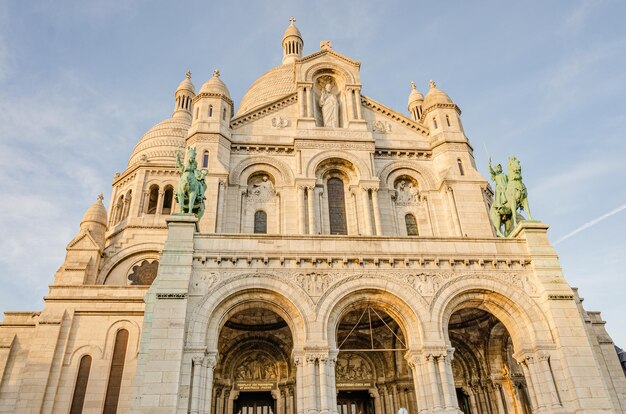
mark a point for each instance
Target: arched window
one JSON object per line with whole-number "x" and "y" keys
{"x": 197, "y": 112}
{"x": 411, "y": 225}
{"x": 80, "y": 389}
{"x": 336, "y": 206}
{"x": 205, "y": 159}
{"x": 448, "y": 120}
{"x": 460, "y": 164}
{"x": 117, "y": 370}
{"x": 119, "y": 209}
{"x": 129, "y": 198}
{"x": 435, "y": 122}
{"x": 168, "y": 197}
{"x": 210, "y": 111}
{"x": 260, "y": 222}
{"x": 153, "y": 199}
{"x": 224, "y": 114}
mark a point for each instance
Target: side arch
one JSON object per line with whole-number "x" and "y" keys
{"x": 362, "y": 170}
{"x": 281, "y": 171}
{"x": 518, "y": 313}
{"x": 311, "y": 71}
{"x": 246, "y": 290}
{"x": 425, "y": 178}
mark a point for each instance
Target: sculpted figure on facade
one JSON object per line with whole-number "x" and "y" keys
{"x": 329, "y": 106}
{"x": 261, "y": 189}
{"x": 191, "y": 186}
{"x": 510, "y": 196}
{"x": 406, "y": 192}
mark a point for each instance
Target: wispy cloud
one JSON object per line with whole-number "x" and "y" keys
{"x": 591, "y": 223}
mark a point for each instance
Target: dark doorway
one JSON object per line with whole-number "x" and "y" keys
{"x": 255, "y": 403}
{"x": 355, "y": 402}
{"x": 463, "y": 400}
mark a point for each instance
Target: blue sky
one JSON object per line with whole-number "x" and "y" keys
{"x": 80, "y": 82}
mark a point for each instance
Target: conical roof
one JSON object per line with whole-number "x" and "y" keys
{"x": 186, "y": 84}
{"x": 415, "y": 95}
{"x": 215, "y": 85}
{"x": 435, "y": 96}
{"x": 96, "y": 213}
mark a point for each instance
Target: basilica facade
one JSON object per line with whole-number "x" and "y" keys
{"x": 344, "y": 263}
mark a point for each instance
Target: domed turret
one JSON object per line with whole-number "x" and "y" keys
{"x": 215, "y": 85}
{"x": 435, "y": 96}
{"x": 95, "y": 221}
{"x": 292, "y": 43}
{"x": 184, "y": 97}
{"x": 416, "y": 99}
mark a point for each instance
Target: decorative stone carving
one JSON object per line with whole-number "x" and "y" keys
{"x": 351, "y": 367}
{"x": 256, "y": 366}
{"x": 381, "y": 126}
{"x": 261, "y": 189}
{"x": 314, "y": 283}
{"x": 280, "y": 122}
{"x": 329, "y": 106}
{"x": 406, "y": 193}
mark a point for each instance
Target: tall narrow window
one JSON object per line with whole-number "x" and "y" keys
{"x": 210, "y": 111}
{"x": 224, "y": 114}
{"x": 168, "y": 196}
{"x": 119, "y": 209}
{"x": 336, "y": 206}
{"x": 153, "y": 199}
{"x": 205, "y": 159}
{"x": 80, "y": 389}
{"x": 127, "y": 201}
{"x": 448, "y": 120}
{"x": 434, "y": 122}
{"x": 197, "y": 112}
{"x": 411, "y": 225}
{"x": 260, "y": 222}
{"x": 117, "y": 370}
{"x": 460, "y": 164}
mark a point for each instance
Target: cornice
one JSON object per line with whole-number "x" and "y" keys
{"x": 394, "y": 115}
{"x": 264, "y": 110}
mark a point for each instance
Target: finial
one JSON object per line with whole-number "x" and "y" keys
{"x": 216, "y": 73}
{"x": 188, "y": 74}
{"x": 432, "y": 84}
{"x": 413, "y": 85}
{"x": 326, "y": 44}
{"x": 292, "y": 20}
{"x": 100, "y": 197}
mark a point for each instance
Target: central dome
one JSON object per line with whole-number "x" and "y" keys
{"x": 271, "y": 86}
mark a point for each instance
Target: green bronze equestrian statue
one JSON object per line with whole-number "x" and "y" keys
{"x": 191, "y": 186}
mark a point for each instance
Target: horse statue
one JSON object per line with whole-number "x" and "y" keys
{"x": 510, "y": 196}
{"x": 191, "y": 186}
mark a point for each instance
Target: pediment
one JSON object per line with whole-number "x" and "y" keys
{"x": 385, "y": 120}
{"x": 269, "y": 114}
{"x": 83, "y": 241}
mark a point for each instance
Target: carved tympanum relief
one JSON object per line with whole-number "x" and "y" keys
{"x": 260, "y": 189}
{"x": 144, "y": 273}
{"x": 280, "y": 122}
{"x": 256, "y": 366}
{"x": 351, "y": 367}
{"x": 381, "y": 126}
{"x": 407, "y": 192}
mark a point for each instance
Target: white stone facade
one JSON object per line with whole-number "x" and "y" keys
{"x": 346, "y": 269}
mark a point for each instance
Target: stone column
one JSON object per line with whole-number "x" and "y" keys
{"x": 195, "y": 384}
{"x": 349, "y": 104}
{"x": 448, "y": 396}
{"x": 377, "y": 218}
{"x": 311, "y": 400}
{"x": 535, "y": 393}
{"x": 324, "y": 403}
{"x": 159, "y": 209}
{"x": 310, "y": 208}
{"x": 358, "y": 104}
{"x": 299, "y": 363}
{"x": 433, "y": 380}
{"x": 301, "y": 208}
{"x": 415, "y": 363}
{"x": 550, "y": 391}
{"x": 301, "y": 102}
{"x": 332, "y": 385}
{"x": 209, "y": 364}
{"x": 310, "y": 101}
{"x": 367, "y": 214}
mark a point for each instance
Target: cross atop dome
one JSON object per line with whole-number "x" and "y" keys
{"x": 292, "y": 20}
{"x": 188, "y": 74}
{"x": 432, "y": 84}
{"x": 413, "y": 87}
{"x": 216, "y": 73}
{"x": 292, "y": 42}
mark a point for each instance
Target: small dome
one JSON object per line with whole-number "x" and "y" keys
{"x": 186, "y": 84}
{"x": 161, "y": 142}
{"x": 215, "y": 85}
{"x": 435, "y": 96}
{"x": 415, "y": 95}
{"x": 95, "y": 214}
{"x": 292, "y": 30}
{"x": 274, "y": 84}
